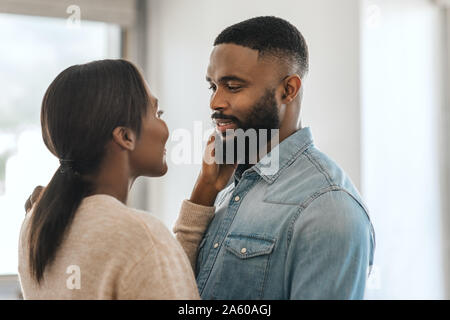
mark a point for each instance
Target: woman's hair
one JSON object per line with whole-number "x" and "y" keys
{"x": 80, "y": 110}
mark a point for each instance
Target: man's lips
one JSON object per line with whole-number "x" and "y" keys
{"x": 224, "y": 124}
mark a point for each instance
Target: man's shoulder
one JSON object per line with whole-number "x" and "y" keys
{"x": 321, "y": 169}
{"x": 309, "y": 175}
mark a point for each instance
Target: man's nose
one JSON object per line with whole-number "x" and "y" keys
{"x": 218, "y": 101}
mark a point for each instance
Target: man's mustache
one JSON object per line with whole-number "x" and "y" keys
{"x": 219, "y": 115}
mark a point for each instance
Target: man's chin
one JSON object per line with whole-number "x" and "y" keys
{"x": 230, "y": 153}
{"x": 226, "y": 135}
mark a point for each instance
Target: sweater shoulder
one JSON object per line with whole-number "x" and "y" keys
{"x": 112, "y": 224}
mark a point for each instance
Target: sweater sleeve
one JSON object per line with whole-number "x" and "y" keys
{"x": 161, "y": 270}
{"x": 190, "y": 227}
{"x": 160, "y": 277}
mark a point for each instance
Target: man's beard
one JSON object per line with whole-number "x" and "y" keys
{"x": 263, "y": 116}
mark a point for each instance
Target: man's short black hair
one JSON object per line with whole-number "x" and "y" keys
{"x": 269, "y": 35}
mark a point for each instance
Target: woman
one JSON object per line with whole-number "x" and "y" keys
{"x": 81, "y": 241}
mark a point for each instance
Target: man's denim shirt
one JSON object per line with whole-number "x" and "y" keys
{"x": 301, "y": 233}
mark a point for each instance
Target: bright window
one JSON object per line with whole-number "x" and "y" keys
{"x": 33, "y": 51}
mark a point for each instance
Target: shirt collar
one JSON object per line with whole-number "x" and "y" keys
{"x": 271, "y": 165}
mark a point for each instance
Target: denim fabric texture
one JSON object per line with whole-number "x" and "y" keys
{"x": 301, "y": 233}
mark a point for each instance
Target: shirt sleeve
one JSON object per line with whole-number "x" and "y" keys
{"x": 330, "y": 248}
{"x": 190, "y": 227}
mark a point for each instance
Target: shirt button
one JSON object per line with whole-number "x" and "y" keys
{"x": 237, "y": 198}
{"x": 216, "y": 245}
{"x": 243, "y": 250}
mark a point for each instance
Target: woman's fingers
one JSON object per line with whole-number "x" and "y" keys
{"x": 209, "y": 155}
{"x": 33, "y": 198}
{"x": 28, "y": 205}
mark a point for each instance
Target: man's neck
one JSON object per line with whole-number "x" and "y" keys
{"x": 274, "y": 141}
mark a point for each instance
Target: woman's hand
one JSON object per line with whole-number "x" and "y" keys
{"x": 213, "y": 177}
{"x": 33, "y": 198}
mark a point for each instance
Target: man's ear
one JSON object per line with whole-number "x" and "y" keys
{"x": 124, "y": 137}
{"x": 292, "y": 86}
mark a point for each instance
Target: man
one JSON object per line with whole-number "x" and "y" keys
{"x": 302, "y": 232}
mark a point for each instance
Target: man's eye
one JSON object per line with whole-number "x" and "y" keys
{"x": 234, "y": 88}
{"x": 212, "y": 87}
{"x": 159, "y": 113}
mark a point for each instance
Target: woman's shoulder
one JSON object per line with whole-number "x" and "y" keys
{"x": 118, "y": 223}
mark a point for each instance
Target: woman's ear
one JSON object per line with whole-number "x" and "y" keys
{"x": 125, "y": 138}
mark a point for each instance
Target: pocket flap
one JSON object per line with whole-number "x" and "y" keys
{"x": 248, "y": 246}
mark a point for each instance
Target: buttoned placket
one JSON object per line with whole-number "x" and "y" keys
{"x": 247, "y": 181}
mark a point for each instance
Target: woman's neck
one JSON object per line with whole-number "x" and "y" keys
{"x": 113, "y": 179}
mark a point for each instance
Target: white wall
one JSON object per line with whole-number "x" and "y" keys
{"x": 373, "y": 105}
{"x": 402, "y": 63}
{"x": 181, "y": 34}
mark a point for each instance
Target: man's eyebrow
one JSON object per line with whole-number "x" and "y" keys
{"x": 226, "y": 79}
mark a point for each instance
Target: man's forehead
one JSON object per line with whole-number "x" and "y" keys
{"x": 232, "y": 59}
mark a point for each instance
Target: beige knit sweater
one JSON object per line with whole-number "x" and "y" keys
{"x": 112, "y": 251}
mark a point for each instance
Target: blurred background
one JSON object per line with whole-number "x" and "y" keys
{"x": 375, "y": 98}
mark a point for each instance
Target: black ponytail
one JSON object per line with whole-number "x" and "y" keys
{"x": 52, "y": 216}
{"x": 80, "y": 110}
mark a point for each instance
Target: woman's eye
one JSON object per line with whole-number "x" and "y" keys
{"x": 159, "y": 113}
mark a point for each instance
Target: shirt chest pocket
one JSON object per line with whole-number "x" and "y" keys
{"x": 244, "y": 266}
